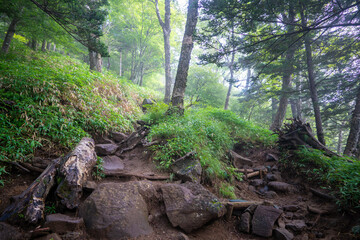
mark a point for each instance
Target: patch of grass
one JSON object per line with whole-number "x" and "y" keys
{"x": 341, "y": 175}
{"x": 227, "y": 191}
{"x": 2, "y": 172}
{"x": 98, "y": 172}
{"x": 209, "y": 132}
{"x": 49, "y": 101}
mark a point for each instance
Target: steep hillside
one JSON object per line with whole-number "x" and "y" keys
{"x": 48, "y": 102}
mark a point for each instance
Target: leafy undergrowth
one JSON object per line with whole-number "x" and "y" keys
{"x": 340, "y": 175}
{"x": 209, "y": 132}
{"x": 48, "y": 102}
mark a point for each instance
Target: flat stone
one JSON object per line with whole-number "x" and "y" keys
{"x": 105, "y": 149}
{"x": 280, "y": 187}
{"x": 264, "y": 219}
{"x": 113, "y": 164}
{"x": 257, "y": 182}
{"x": 118, "y": 136}
{"x": 245, "y": 222}
{"x": 283, "y": 234}
{"x": 190, "y": 205}
{"x": 296, "y": 225}
{"x": 60, "y": 223}
{"x": 118, "y": 209}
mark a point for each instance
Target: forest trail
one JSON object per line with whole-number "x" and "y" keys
{"x": 301, "y": 212}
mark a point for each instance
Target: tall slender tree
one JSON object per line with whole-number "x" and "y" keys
{"x": 177, "y": 99}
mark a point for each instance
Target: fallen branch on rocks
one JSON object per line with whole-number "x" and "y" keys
{"x": 133, "y": 140}
{"x": 149, "y": 177}
{"x": 242, "y": 205}
{"x": 322, "y": 195}
{"x": 71, "y": 171}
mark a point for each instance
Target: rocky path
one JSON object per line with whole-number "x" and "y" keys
{"x": 138, "y": 201}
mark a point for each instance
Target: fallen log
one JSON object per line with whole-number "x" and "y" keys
{"x": 75, "y": 170}
{"x": 321, "y": 194}
{"x": 242, "y": 205}
{"x": 72, "y": 170}
{"x": 30, "y": 204}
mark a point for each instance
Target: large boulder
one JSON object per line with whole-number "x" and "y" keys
{"x": 190, "y": 205}
{"x": 118, "y": 136}
{"x": 118, "y": 210}
{"x": 188, "y": 170}
{"x": 264, "y": 219}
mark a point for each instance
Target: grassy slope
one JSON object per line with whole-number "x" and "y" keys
{"x": 48, "y": 102}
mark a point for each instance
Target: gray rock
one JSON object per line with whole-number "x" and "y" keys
{"x": 257, "y": 182}
{"x": 60, "y": 223}
{"x": 188, "y": 170}
{"x": 245, "y": 222}
{"x": 190, "y": 205}
{"x": 270, "y": 194}
{"x": 105, "y": 149}
{"x": 90, "y": 186}
{"x": 296, "y": 225}
{"x": 280, "y": 187}
{"x": 118, "y": 136}
{"x": 113, "y": 164}
{"x": 283, "y": 234}
{"x": 8, "y": 232}
{"x": 264, "y": 219}
{"x": 146, "y": 102}
{"x": 273, "y": 177}
{"x": 117, "y": 209}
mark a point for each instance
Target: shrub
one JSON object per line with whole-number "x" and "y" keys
{"x": 340, "y": 175}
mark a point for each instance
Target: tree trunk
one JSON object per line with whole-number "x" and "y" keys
{"x": 286, "y": 79}
{"x": 340, "y": 137}
{"x": 43, "y": 45}
{"x": 177, "y": 99}
{"x": 248, "y": 77}
{"x": 108, "y": 65}
{"x": 92, "y": 60}
{"x": 312, "y": 85}
{"x": 273, "y": 108}
{"x": 231, "y": 68}
{"x": 141, "y": 73}
{"x": 34, "y": 44}
{"x": 9, "y": 36}
{"x": 72, "y": 171}
{"x": 54, "y": 49}
{"x": 48, "y": 45}
{"x": 98, "y": 66}
{"x": 165, "y": 25}
{"x": 354, "y": 133}
{"x": 120, "y": 65}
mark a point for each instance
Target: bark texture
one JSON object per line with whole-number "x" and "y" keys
{"x": 9, "y": 36}
{"x": 354, "y": 133}
{"x": 177, "y": 99}
{"x": 231, "y": 68}
{"x": 95, "y": 61}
